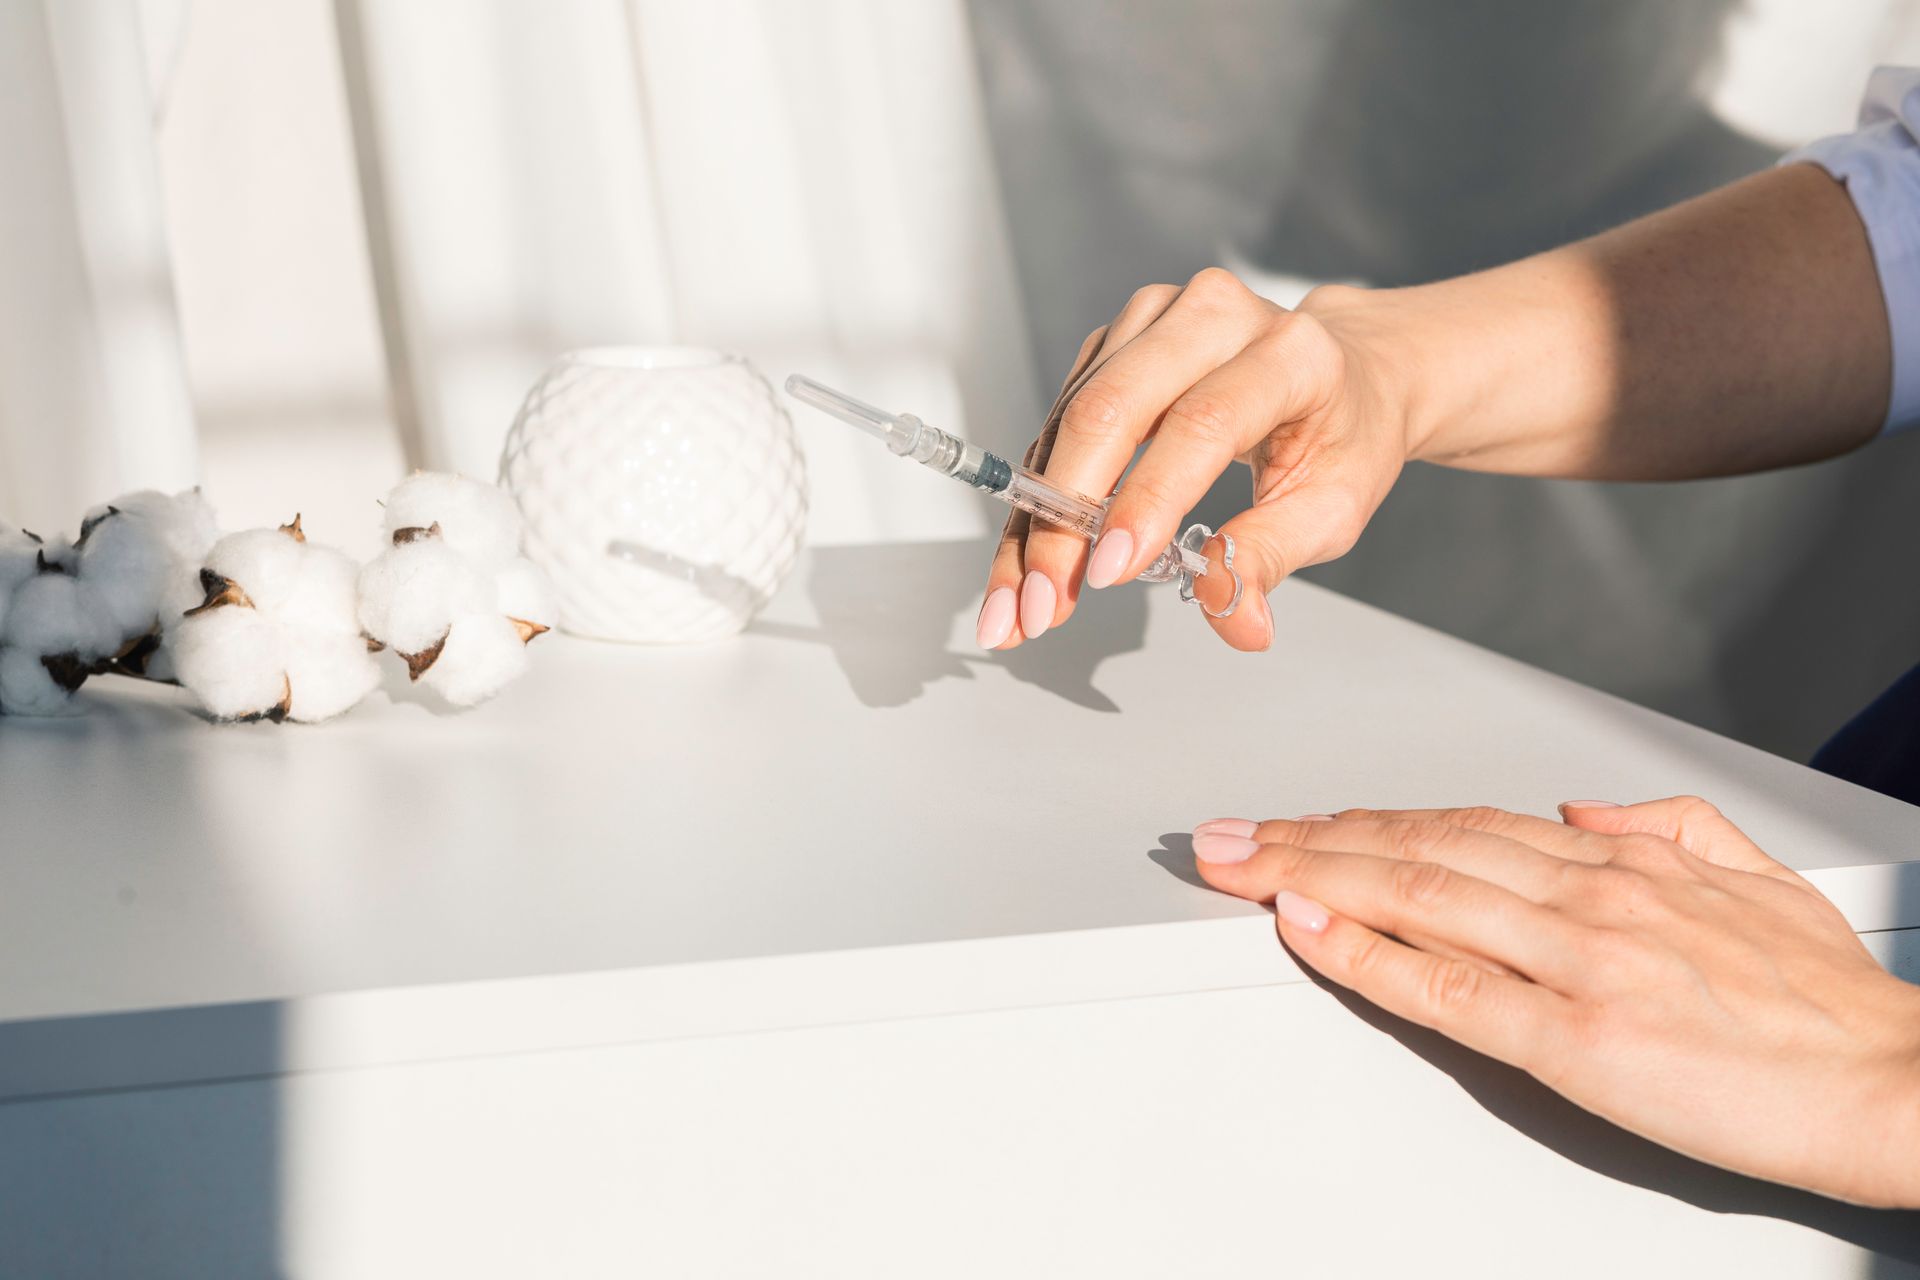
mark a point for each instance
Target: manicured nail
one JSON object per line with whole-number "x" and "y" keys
{"x": 1266, "y": 620}
{"x": 1314, "y": 817}
{"x": 1301, "y": 913}
{"x": 1213, "y": 847}
{"x": 1242, "y": 827}
{"x": 1036, "y": 604}
{"x": 1110, "y": 558}
{"x": 996, "y": 618}
{"x": 1589, "y": 804}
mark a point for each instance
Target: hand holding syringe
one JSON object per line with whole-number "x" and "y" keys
{"x": 1183, "y": 561}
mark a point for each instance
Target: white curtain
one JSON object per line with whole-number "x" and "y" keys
{"x": 807, "y": 183}
{"x": 93, "y": 389}
{"x": 829, "y": 186}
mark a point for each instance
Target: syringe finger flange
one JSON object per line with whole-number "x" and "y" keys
{"x": 1195, "y": 539}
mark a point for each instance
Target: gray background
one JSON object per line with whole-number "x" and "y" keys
{"x": 1395, "y": 142}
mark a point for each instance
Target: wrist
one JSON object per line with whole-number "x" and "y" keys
{"x": 1388, "y": 366}
{"x": 1865, "y": 1155}
{"x": 1899, "y": 1132}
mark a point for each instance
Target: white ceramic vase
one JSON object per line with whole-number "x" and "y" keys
{"x": 663, "y": 489}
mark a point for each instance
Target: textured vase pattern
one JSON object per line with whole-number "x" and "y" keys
{"x": 684, "y": 459}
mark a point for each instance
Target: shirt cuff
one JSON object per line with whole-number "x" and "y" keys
{"x": 1879, "y": 163}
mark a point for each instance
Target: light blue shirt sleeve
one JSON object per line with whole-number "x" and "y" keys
{"x": 1880, "y": 164}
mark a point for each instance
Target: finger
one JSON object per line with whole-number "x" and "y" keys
{"x": 1423, "y": 901}
{"x": 1507, "y": 1018}
{"x": 1049, "y": 585}
{"x": 998, "y": 626}
{"x": 1201, "y": 434}
{"x": 1092, "y": 352}
{"x": 1313, "y": 513}
{"x": 1498, "y": 859}
{"x": 1082, "y": 363}
{"x": 1288, "y": 370}
{"x": 1544, "y": 834}
{"x": 1689, "y": 822}
{"x": 1114, "y": 410}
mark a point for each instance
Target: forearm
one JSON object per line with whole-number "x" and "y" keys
{"x": 1737, "y": 332}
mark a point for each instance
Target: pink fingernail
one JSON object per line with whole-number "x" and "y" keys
{"x": 1217, "y": 848}
{"x": 996, "y": 618}
{"x": 1301, "y": 913}
{"x": 1589, "y": 804}
{"x": 1314, "y": 817}
{"x": 1037, "y": 600}
{"x": 1111, "y": 555}
{"x": 1242, "y": 827}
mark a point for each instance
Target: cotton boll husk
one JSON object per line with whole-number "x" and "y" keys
{"x": 126, "y": 559}
{"x": 231, "y": 658}
{"x": 474, "y": 517}
{"x": 28, "y": 689}
{"x": 59, "y": 552}
{"x": 411, "y": 594}
{"x": 264, "y": 562}
{"x": 54, "y": 613}
{"x": 325, "y": 596}
{"x": 521, "y": 590}
{"x": 328, "y": 672}
{"x": 484, "y": 653}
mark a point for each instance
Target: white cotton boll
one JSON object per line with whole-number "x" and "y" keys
{"x": 521, "y": 590}
{"x": 19, "y": 558}
{"x": 411, "y": 594}
{"x": 232, "y": 659}
{"x": 28, "y": 689}
{"x": 184, "y": 591}
{"x": 484, "y": 653}
{"x": 53, "y": 613}
{"x": 325, "y": 595}
{"x": 160, "y": 664}
{"x": 264, "y": 562}
{"x": 125, "y": 559}
{"x": 328, "y": 672}
{"x": 186, "y": 524}
{"x": 476, "y": 518}
{"x": 185, "y": 520}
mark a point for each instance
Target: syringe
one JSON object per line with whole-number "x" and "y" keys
{"x": 1184, "y": 559}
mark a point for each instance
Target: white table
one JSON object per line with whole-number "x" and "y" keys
{"x": 839, "y": 948}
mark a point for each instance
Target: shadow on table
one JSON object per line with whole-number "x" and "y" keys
{"x": 1587, "y": 1140}
{"x": 888, "y": 612}
{"x": 1175, "y": 857}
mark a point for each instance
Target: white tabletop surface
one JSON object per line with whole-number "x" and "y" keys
{"x": 845, "y": 813}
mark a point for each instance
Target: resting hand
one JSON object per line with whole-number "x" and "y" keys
{"x": 1212, "y": 374}
{"x": 1649, "y": 962}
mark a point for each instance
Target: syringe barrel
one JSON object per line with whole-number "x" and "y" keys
{"x": 1044, "y": 500}
{"x": 1012, "y": 483}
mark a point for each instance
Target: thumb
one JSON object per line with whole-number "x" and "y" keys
{"x": 1688, "y": 821}
{"x": 1270, "y": 540}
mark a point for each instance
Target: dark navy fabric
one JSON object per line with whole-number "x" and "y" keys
{"x": 1880, "y": 747}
